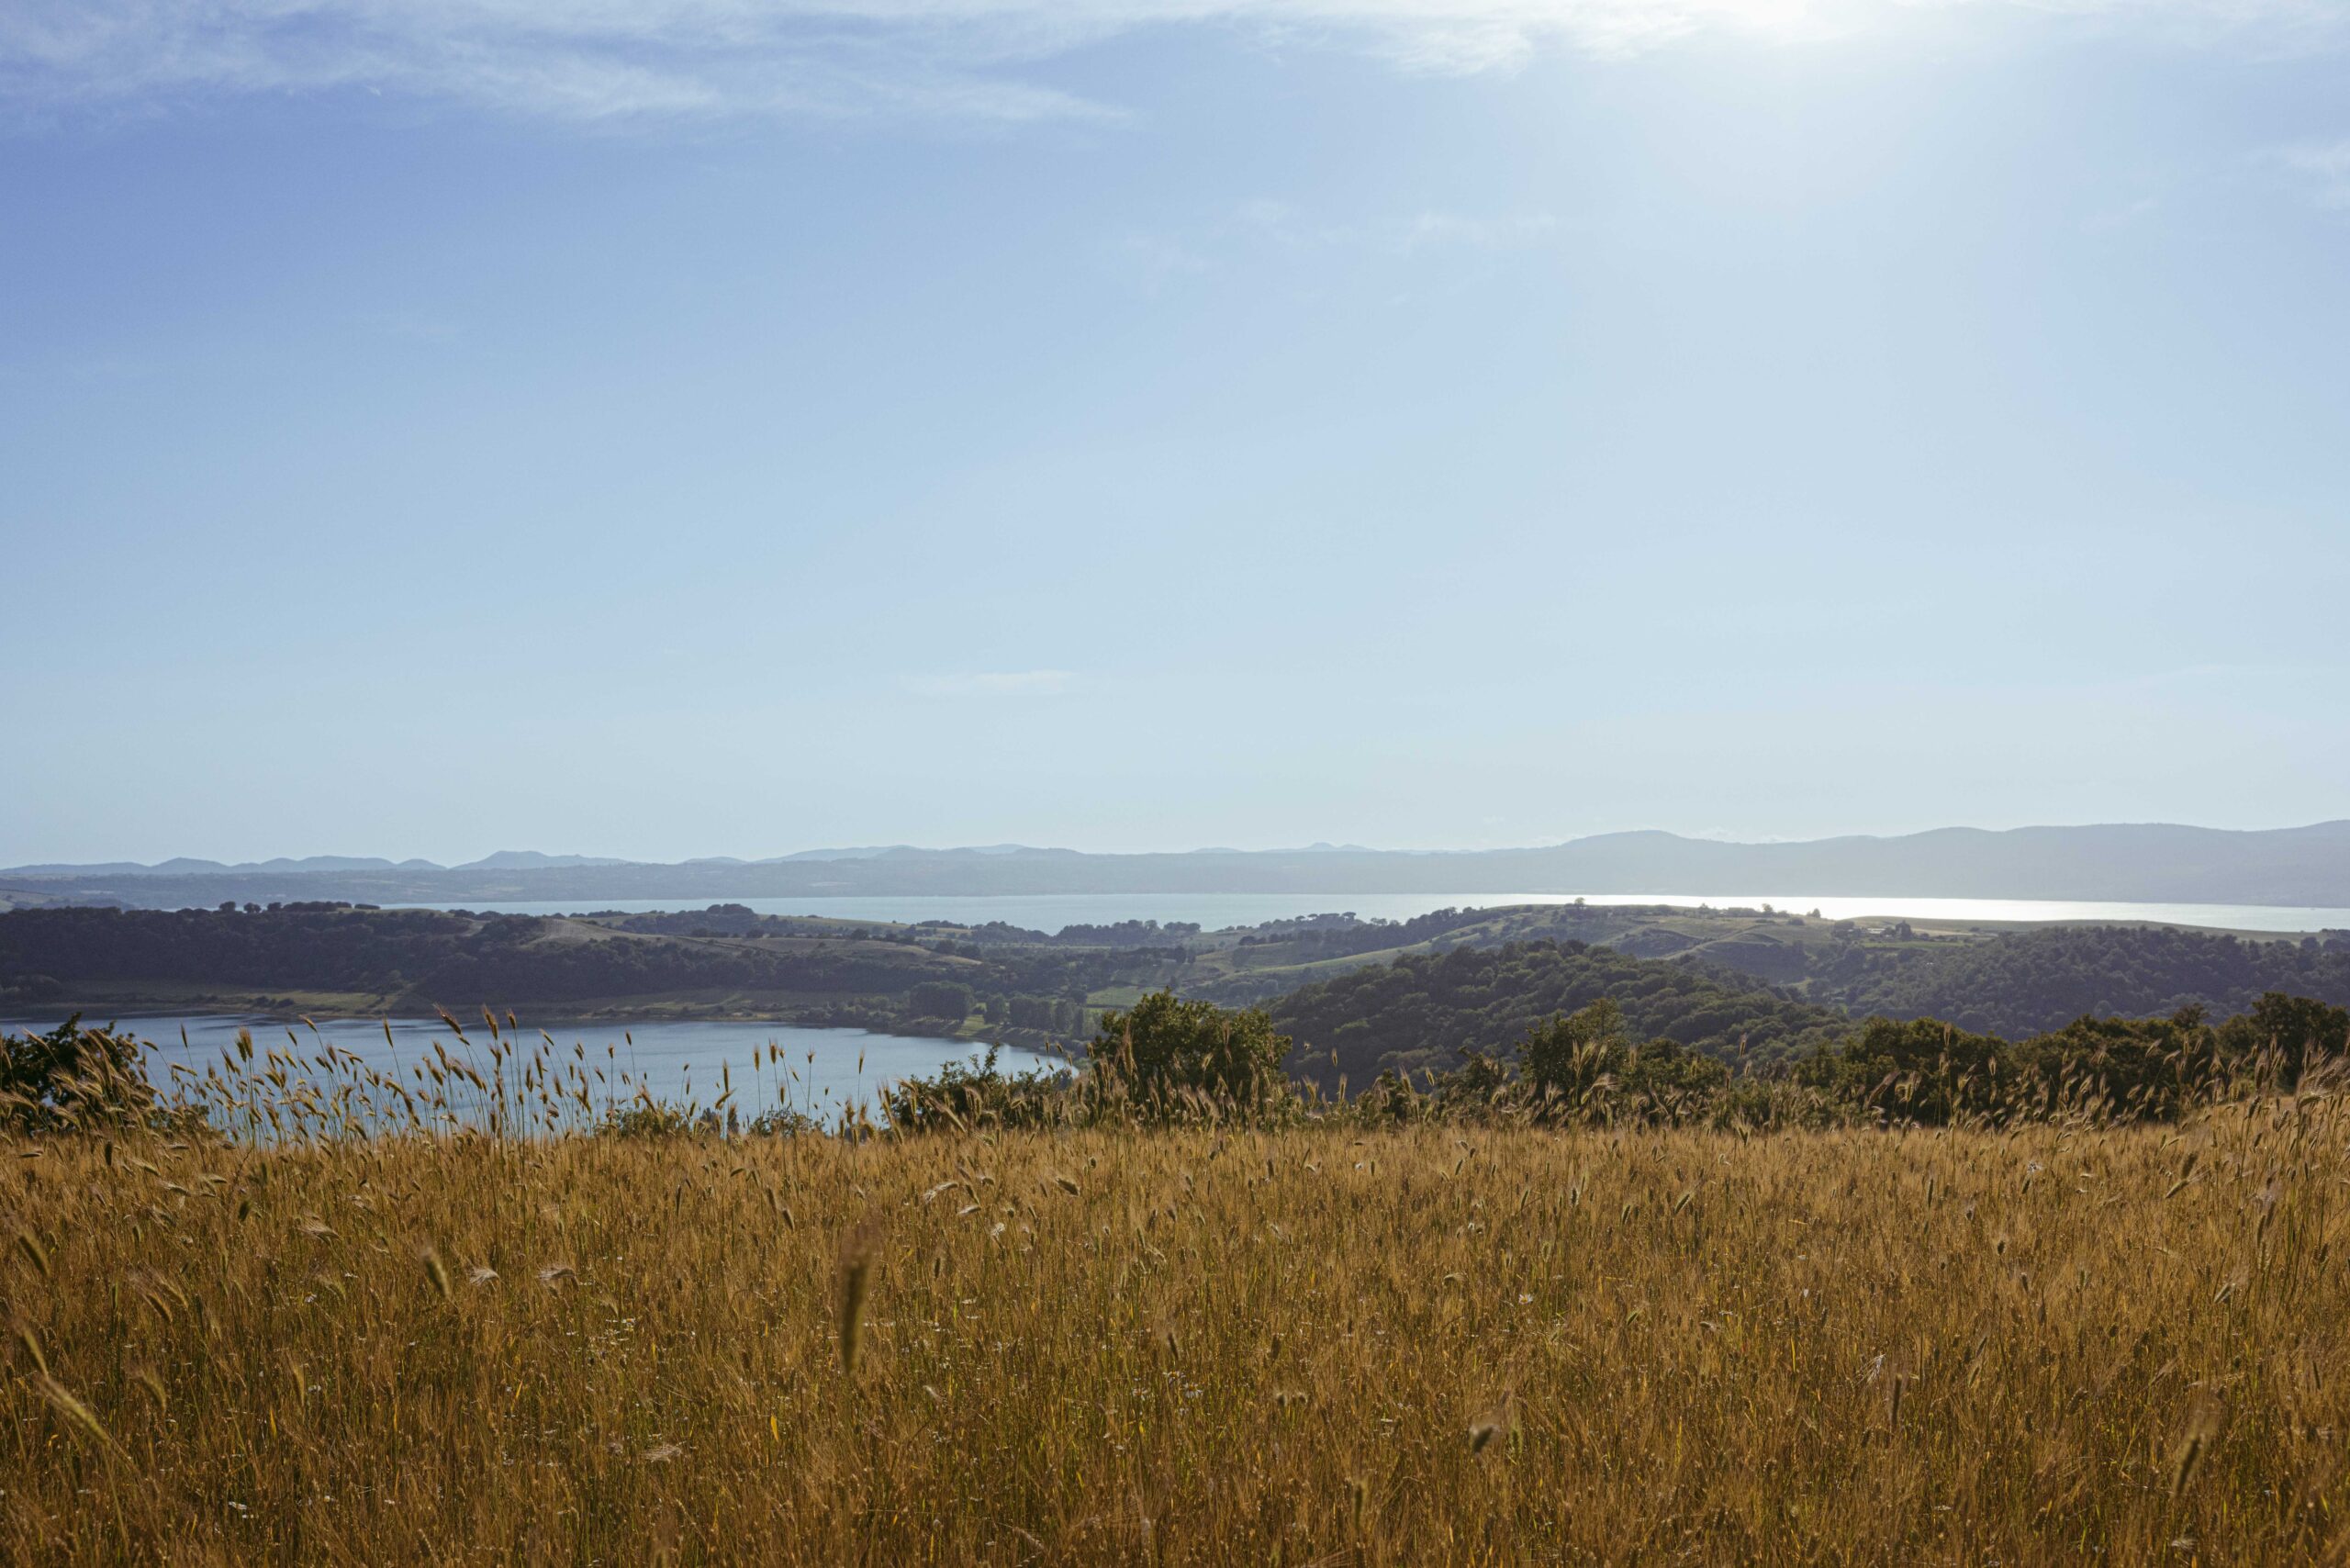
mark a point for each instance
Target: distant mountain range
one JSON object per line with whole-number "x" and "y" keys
{"x": 2307, "y": 867}
{"x": 504, "y": 860}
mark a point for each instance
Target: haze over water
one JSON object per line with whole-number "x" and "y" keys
{"x": 1052, "y": 911}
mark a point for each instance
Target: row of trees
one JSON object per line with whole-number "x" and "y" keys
{"x": 1171, "y": 1058}
{"x": 1587, "y": 1066}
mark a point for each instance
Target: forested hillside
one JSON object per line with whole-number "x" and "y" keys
{"x": 1422, "y": 1012}
{"x": 2028, "y": 982}
{"x": 1377, "y": 993}
{"x": 412, "y": 960}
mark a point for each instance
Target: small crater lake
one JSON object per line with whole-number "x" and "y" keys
{"x": 818, "y": 1071}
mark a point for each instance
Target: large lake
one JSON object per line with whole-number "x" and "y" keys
{"x": 821, "y": 1069}
{"x": 1051, "y": 912}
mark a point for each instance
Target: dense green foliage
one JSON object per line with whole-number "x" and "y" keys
{"x": 78, "y": 1078}
{"x": 1928, "y": 1071}
{"x": 965, "y": 1097}
{"x": 2028, "y": 982}
{"x": 1420, "y": 1013}
{"x": 1595, "y": 1034}
{"x": 940, "y": 999}
{"x": 1569, "y": 1058}
{"x": 1174, "y": 1059}
{"x": 1167, "y": 1060}
{"x": 1167, "y": 1044}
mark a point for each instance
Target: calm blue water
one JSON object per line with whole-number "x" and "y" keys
{"x": 1051, "y": 912}
{"x": 821, "y": 1069}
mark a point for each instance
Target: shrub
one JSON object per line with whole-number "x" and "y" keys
{"x": 1166, "y": 1045}
{"x": 78, "y": 1078}
{"x": 783, "y": 1121}
{"x": 1572, "y": 1056}
{"x": 2286, "y": 1035}
{"x": 1914, "y": 1070}
{"x": 961, "y": 1095}
{"x": 647, "y": 1118}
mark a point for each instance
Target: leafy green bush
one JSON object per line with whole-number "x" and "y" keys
{"x": 2284, "y": 1036}
{"x": 783, "y": 1121}
{"x": 78, "y": 1078}
{"x": 1568, "y": 1057}
{"x": 963, "y": 1096}
{"x": 1166, "y": 1059}
{"x": 647, "y": 1117}
{"x": 1166, "y": 1048}
{"x": 1916, "y": 1069}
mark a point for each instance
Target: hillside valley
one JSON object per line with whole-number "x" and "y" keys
{"x": 1358, "y": 996}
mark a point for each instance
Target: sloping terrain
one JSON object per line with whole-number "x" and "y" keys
{"x": 1422, "y": 1013}
{"x": 2023, "y": 982}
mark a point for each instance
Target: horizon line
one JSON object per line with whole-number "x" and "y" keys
{"x": 572, "y": 860}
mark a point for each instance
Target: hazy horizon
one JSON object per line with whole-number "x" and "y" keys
{"x": 1436, "y": 424}
{"x": 460, "y": 861}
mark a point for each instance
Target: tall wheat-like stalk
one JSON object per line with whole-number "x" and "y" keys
{"x": 1095, "y": 1339}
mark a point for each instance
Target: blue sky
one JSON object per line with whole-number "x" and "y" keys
{"x": 730, "y": 426}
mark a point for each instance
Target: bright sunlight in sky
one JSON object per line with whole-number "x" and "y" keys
{"x": 692, "y": 427}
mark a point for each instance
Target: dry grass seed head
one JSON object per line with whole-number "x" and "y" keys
{"x": 855, "y": 1280}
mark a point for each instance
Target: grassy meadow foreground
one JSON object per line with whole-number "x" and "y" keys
{"x": 1440, "y": 1343}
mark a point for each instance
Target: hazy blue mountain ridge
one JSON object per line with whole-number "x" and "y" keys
{"x": 2127, "y": 863}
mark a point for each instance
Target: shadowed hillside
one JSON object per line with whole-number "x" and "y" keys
{"x": 2025, "y": 982}
{"x": 1421, "y": 1012}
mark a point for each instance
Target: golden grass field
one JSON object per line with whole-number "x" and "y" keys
{"x": 1433, "y": 1345}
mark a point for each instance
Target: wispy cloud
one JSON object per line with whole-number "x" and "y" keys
{"x": 622, "y": 59}
{"x": 1438, "y": 230}
{"x": 1264, "y": 225}
{"x": 993, "y": 683}
{"x": 1156, "y": 260}
{"x": 2323, "y": 170}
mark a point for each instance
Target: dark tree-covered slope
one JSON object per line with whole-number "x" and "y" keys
{"x": 429, "y": 957}
{"x": 1421, "y": 1012}
{"x": 2033, "y": 982}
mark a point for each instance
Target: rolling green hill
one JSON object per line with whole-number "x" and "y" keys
{"x": 1421, "y": 1012}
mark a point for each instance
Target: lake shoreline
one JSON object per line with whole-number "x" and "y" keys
{"x": 755, "y": 1065}
{"x": 127, "y": 1010}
